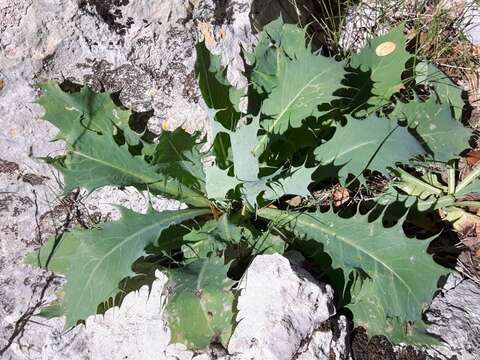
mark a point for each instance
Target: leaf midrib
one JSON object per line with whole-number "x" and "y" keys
{"x": 316, "y": 225}
{"x": 195, "y": 198}
{"x": 282, "y": 113}
{"x": 326, "y": 230}
{"x": 339, "y": 155}
{"x": 161, "y": 225}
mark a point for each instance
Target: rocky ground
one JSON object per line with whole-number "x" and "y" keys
{"x": 144, "y": 50}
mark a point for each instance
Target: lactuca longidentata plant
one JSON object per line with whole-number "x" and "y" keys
{"x": 304, "y": 120}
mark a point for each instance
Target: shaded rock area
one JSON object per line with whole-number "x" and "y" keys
{"x": 455, "y": 318}
{"x": 143, "y": 51}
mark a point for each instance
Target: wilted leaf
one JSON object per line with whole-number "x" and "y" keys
{"x": 472, "y": 157}
{"x": 340, "y": 196}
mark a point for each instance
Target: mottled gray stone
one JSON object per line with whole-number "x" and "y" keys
{"x": 104, "y": 336}
{"x": 370, "y": 18}
{"x": 142, "y": 49}
{"x": 455, "y": 318}
{"x": 330, "y": 341}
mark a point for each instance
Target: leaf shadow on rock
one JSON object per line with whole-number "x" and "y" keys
{"x": 138, "y": 122}
{"x": 70, "y": 87}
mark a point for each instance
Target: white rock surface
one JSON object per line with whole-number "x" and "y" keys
{"x": 102, "y": 337}
{"x": 455, "y": 314}
{"x": 279, "y": 309}
{"x": 330, "y": 341}
{"x": 472, "y": 21}
{"x": 140, "y": 48}
{"x": 369, "y": 17}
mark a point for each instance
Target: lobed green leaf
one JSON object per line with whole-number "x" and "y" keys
{"x": 95, "y": 261}
{"x": 404, "y": 277}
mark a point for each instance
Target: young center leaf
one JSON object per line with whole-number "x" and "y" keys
{"x": 404, "y": 277}
{"x": 202, "y": 242}
{"x": 88, "y": 123}
{"x": 95, "y": 261}
{"x": 216, "y": 91}
{"x": 245, "y": 166}
{"x": 201, "y": 308}
{"x": 221, "y": 98}
{"x": 213, "y": 237}
{"x": 219, "y": 183}
{"x": 243, "y": 141}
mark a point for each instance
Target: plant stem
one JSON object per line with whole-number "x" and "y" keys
{"x": 416, "y": 181}
{"x": 271, "y": 214}
{"x": 188, "y": 196}
{"x": 451, "y": 177}
{"x": 469, "y": 178}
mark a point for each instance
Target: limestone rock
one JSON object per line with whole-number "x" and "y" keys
{"x": 103, "y": 336}
{"x": 472, "y": 21}
{"x": 330, "y": 341}
{"x": 455, "y": 318}
{"x": 279, "y": 309}
{"x": 142, "y": 49}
